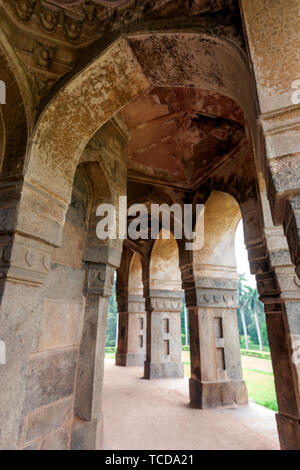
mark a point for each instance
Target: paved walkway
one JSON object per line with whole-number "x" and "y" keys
{"x": 149, "y": 415}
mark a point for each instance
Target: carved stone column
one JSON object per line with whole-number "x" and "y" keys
{"x": 31, "y": 222}
{"x": 272, "y": 47}
{"x": 163, "y": 355}
{"x": 132, "y": 331}
{"x": 87, "y": 432}
{"x": 216, "y": 373}
{"x": 284, "y": 338}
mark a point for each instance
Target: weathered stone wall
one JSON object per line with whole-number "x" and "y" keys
{"x": 49, "y": 401}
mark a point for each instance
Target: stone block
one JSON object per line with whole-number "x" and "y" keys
{"x": 63, "y": 282}
{"x": 48, "y": 419}
{"x": 164, "y": 370}
{"x": 87, "y": 435}
{"x": 217, "y": 394}
{"x": 50, "y": 377}
{"x": 61, "y": 325}
{"x": 130, "y": 359}
{"x": 58, "y": 441}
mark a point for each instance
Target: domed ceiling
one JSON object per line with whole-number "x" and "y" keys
{"x": 180, "y": 135}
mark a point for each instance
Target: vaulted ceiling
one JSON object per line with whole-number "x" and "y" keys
{"x": 52, "y": 37}
{"x": 180, "y": 135}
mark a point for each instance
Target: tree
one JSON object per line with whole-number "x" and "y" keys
{"x": 242, "y": 301}
{"x": 184, "y": 324}
{"x": 112, "y": 319}
{"x": 253, "y": 304}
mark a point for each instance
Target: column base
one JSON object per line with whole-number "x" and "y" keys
{"x": 163, "y": 370}
{"x": 87, "y": 435}
{"x": 130, "y": 359}
{"x": 289, "y": 432}
{"x": 217, "y": 394}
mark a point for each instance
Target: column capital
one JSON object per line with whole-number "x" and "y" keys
{"x": 213, "y": 293}
{"x": 136, "y": 304}
{"x": 24, "y": 260}
{"x": 99, "y": 279}
{"x": 164, "y": 300}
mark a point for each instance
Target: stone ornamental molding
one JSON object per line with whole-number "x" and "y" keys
{"x": 22, "y": 263}
{"x": 165, "y": 304}
{"x": 50, "y": 32}
{"x": 94, "y": 18}
{"x": 136, "y": 304}
{"x": 99, "y": 280}
{"x": 222, "y": 299}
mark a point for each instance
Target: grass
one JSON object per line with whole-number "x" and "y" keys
{"x": 261, "y": 388}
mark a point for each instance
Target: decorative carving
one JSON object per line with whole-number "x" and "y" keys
{"x": 222, "y": 299}
{"x": 23, "y": 263}
{"x": 72, "y": 28}
{"x": 101, "y": 15}
{"x": 165, "y": 304}
{"x": 99, "y": 279}
{"x": 297, "y": 281}
{"x": 23, "y": 8}
{"x": 48, "y": 18}
{"x": 43, "y": 54}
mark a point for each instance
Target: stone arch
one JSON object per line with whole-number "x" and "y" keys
{"x": 221, "y": 217}
{"x": 135, "y": 278}
{"x": 115, "y": 78}
{"x": 164, "y": 265}
{"x": 15, "y": 121}
{"x": 164, "y": 304}
{"x": 131, "y": 309}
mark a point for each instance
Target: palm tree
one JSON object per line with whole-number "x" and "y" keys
{"x": 242, "y": 301}
{"x": 253, "y": 303}
{"x": 186, "y": 325}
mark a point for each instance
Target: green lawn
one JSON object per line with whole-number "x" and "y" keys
{"x": 261, "y": 388}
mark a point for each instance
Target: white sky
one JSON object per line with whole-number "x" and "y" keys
{"x": 242, "y": 257}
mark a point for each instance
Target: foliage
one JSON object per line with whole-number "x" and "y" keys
{"x": 259, "y": 354}
{"x": 184, "y": 340}
{"x": 249, "y": 301}
{"x": 112, "y": 320}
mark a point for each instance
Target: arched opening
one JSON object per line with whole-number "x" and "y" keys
{"x": 185, "y": 104}
{"x": 255, "y": 349}
{"x": 164, "y": 317}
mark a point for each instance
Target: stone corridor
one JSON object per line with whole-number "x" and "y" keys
{"x": 141, "y": 414}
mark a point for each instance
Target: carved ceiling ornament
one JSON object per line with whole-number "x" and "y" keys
{"x": 104, "y": 14}
{"x": 23, "y": 8}
{"x": 43, "y": 54}
{"x": 49, "y": 18}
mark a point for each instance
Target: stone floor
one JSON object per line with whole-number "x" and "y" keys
{"x": 148, "y": 415}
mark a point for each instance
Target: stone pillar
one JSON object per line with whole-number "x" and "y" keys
{"x": 163, "y": 355}
{"x": 284, "y": 337}
{"x": 272, "y": 32}
{"x": 216, "y": 373}
{"x": 87, "y": 432}
{"x": 31, "y": 222}
{"x": 132, "y": 332}
{"x": 278, "y": 287}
